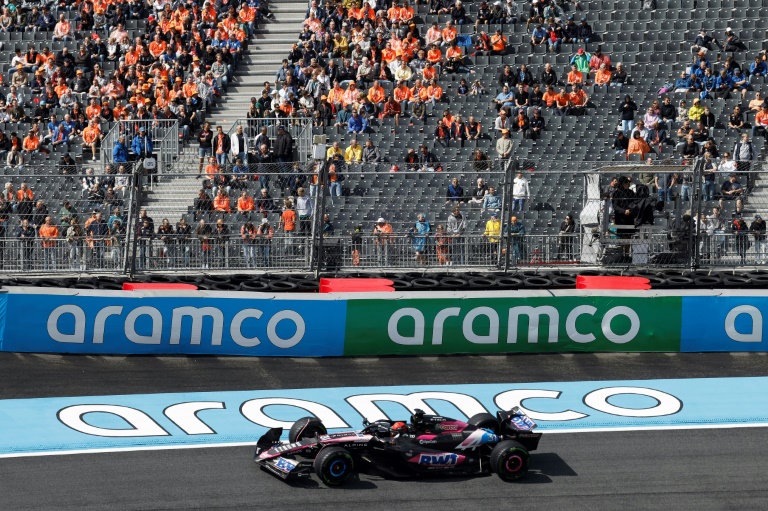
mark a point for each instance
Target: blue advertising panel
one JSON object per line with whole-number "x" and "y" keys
{"x": 123, "y": 325}
{"x": 724, "y": 323}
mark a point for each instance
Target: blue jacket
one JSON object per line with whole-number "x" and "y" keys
{"x": 139, "y": 142}
{"x": 357, "y": 125}
{"x": 726, "y": 80}
{"x": 708, "y": 83}
{"x": 760, "y": 68}
{"x": 683, "y": 83}
{"x": 119, "y": 153}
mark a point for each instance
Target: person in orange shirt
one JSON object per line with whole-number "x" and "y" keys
{"x": 336, "y": 95}
{"x": 449, "y": 33}
{"x": 429, "y": 72}
{"x": 418, "y": 89}
{"x": 49, "y": 233}
{"x": 247, "y": 17}
{"x": 638, "y": 145}
{"x": 393, "y": 13}
{"x": 24, "y": 193}
{"x": 578, "y": 99}
{"x": 61, "y": 86}
{"x": 157, "y": 46}
{"x": 454, "y": 59}
{"x": 498, "y": 43}
{"x": 603, "y": 75}
{"x": 230, "y": 22}
{"x": 31, "y": 143}
{"x": 132, "y": 56}
{"x": 435, "y": 93}
{"x": 377, "y": 95}
{"x": 92, "y": 137}
{"x": 402, "y": 95}
{"x": 93, "y": 110}
{"x": 63, "y": 30}
{"x": 388, "y": 54}
{"x": 245, "y": 204}
{"x": 350, "y": 95}
{"x": 434, "y": 55}
{"x": 550, "y": 97}
{"x": 575, "y": 76}
{"x": 221, "y": 202}
{"x": 447, "y": 118}
{"x": 406, "y": 12}
{"x": 563, "y": 103}
{"x": 190, "y": 88}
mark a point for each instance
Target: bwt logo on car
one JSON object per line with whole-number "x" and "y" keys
{"x": 73, "y": 320}
{"x": 439, "y": 460}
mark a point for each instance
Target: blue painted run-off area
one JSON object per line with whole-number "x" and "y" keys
{"x": 29, "y": 426}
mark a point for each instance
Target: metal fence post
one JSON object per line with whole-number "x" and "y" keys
{"x": 697, "y": 195}
{"x": 506, "y": 197}
{"x": 132, "y": 231}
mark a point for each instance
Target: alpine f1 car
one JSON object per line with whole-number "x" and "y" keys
{"x": 428, "y": 444}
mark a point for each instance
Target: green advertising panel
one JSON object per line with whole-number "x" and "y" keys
{"x": 512, "y": 325}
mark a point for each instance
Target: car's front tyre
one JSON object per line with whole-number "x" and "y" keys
{"x": 334, "y": 465}
{"x": 306, "y": 427}
{"x": 509, "y": 460}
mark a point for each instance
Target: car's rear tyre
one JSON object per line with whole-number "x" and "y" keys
{"x": 509, "y": 460}
{"x": 334, "y": 465}
{"x": 484, "y": 421}
{"x": 306, "y": 427}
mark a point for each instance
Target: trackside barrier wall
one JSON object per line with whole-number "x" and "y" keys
{"x": 429, "y": 323}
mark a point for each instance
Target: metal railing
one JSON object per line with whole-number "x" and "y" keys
{"x": 661, "y": 231}
{"x": 164, "y": 134}
{"x": 299, "y": 128}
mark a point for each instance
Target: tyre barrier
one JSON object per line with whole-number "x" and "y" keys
{"x": 474, "y": 281}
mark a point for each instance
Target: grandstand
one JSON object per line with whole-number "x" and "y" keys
{"x": 652, "y": 41}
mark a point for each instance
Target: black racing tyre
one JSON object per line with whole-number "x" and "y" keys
{"x": 564, "y": 281}
{"x": 281, "y": 286}
{"x": 675, "y": 281}
{"x": 424, "y": 284}
{"x": 538, "y": 281}
{"x": 400, "y": 284}
{"x": 509, "y": 283}
{"x": 707, "y": 281}
{"x": 485, "y": 421}
{"x": 655, "y": 281}
{"x": 482, "y": 283}
{"x": 760, "y": 281}
{"x": 334, "y": 465}
{"x": 254, "y": 286}
{"x": 736, "y": 281}
{"x": 307, "y": 285}
{"x": 160, "y": 279}
{"x": 225, "y": 286}
{"x": 110, "y": 285}
{"x": 306, "y": 427}
{"x": 509, "y": 460}
{"x": 452, "y": 284}
{"x": 210, "y": 280}
{"x": 50, "y": 283}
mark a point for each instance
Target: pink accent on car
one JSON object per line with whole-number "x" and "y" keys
{"x": 426, "y": 437}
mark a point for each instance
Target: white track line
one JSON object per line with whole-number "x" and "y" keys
{"x": 253, "y": 444}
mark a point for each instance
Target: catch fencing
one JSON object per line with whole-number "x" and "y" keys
{"x": 255, "y": 218}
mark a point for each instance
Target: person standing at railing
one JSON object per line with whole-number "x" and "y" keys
{"x": 566, "y": 239}
{"x": 204, "y": 233}
{"x": 98, "y": 233}
{"x": 382, "y": 232}
{"x": 239, "y": 145}
{"x": 76, "y": 239}
{"x": 456, "y": 227}
{"x": 181, "y": 237}
{"x": 49, "y": 234}
{"x": 516, "y": 231}
{"x": 419, "y": 234}
{"x": 288, "y": 225}
{"x": 248, "y": 233}
{"x": 304, "y": 207}
{"x": 146, "y": 235}
{"x": 26, "y": 233}
{"x": 357, "y": 244}
{"x": 492, "y": 233}
{"x": 521, "y": 191}
{"x": 167, "y": 249}
{"x": 220, "y": 241}
{"x": 265, "y": 233}
{"x": 757, "y": 228}
{"x": 741, "y": 231}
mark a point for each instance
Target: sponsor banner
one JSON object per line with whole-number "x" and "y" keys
{"x": 127, "y": 324}
{"x": 513, "y": 325}
{"x": 168, "y": 421}
{"x": 724, "y": 323}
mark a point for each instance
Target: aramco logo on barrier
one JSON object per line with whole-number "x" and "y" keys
{"x": 595, "y": 323}
{"x": 145, "y": 325}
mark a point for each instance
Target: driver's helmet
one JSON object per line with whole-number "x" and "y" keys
{"x": 399, "y": 427}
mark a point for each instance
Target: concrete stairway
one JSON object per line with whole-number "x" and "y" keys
{"x": 269, "y": 46}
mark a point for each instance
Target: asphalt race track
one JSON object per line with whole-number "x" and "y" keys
{"x": 698, "y": 469}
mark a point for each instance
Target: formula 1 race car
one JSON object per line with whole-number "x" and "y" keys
{"x": 428, "y": 444}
